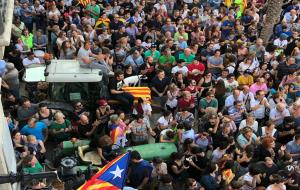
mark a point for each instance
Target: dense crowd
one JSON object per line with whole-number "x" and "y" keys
{"x": 226, "y": 98}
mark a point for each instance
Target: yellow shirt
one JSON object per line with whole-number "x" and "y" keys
{"x": 242, "y": 80}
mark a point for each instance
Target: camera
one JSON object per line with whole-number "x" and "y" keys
{"x": 186, "y": 162}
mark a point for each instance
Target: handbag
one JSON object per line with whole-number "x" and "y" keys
{"x": 247, "y": 104}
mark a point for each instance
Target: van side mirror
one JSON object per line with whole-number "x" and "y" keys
{"x": 100, "y": 73}
{"x": 46, "y": 74}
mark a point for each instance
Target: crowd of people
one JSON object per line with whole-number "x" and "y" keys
{"x": 226, "y": 98}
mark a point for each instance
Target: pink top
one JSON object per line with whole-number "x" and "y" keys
{"x": 122, "y": 129}
{"x": 254, "y": 88}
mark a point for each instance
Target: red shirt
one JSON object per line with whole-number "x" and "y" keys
{"x": 199, "y": 67}
{"x": 193, "y": 91}
{"x": 193, "y": 66}
{"x": 185, "y": 104}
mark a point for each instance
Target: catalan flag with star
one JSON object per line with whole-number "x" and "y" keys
{"x": 111, "y": 177}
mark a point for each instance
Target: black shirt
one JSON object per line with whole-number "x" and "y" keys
{"x": 287, "y": 138}
{"x": 159, "y": 85}
{"x": 114, "y": 84}
{"x": 201, "y": 162}
{"x": 127, "y": 6}
{"x": 83, "y": 129}
{"x": 218, "y": 138}
{"x": 115, "y": 25}
{"x": 268, "y": 171}
{"x": 286, "y": 69}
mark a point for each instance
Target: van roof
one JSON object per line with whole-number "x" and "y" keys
{"x": 63, "y": 71}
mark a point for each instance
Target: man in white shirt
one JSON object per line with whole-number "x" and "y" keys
{"x": 89, "y": 60}
{"x": 31, "y": 60}
{"x": 281, "y": 42}
{"x": 259, "y": 105}
{"x": 180, "y": 68}
{"x": 278, "y": 113}
{"x": 247, "y": 96}
{"x": 236, "y": 96}
{"x": 160, "y": 6}
{"x": 290, "y": 16}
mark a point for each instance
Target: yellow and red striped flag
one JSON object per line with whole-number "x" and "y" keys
{"x": 84, "y": 2}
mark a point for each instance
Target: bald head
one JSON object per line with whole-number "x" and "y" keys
{"x": 187, "y": 51}
{"x": 84, "y": 119}
{"x": 259, "y": 42}
{"x": 246, "y": 88}
{"x": 280, "y": 107}
{"x": 236, "y": 93}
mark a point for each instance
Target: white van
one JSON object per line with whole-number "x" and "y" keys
{"x": 68, "y": 82}
{"x": 62, "y": 71}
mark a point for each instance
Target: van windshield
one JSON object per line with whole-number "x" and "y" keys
{"x": 68, "y": 92}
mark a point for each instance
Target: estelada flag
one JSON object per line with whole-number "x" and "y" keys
{"x": 84, "y": 2}
{"x": 111, "y": 177}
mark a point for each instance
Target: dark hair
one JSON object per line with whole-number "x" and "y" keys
{"x": 159, "y": 71}
{"x": 166, "y": 113}
{"x": 14, "y": 132}
{"x": 176, "y": 156}
{"x": 6, "y": 113}
{"x": 139, "y": 116}
{"x": 249, "y": 149}
{"x": 140, "y": 100}
{"x": 223, "y": 145}
{"x": 196, "y": 150}
{"x": 41, "y": 105}
{"x": 64, "y": 47}
{"x": 189, "y": 182}
{"x": 187, "y": 126}
{"x": 118, "y": 73}
{"x": 297, "y": 137}
{"x": 27, "y": 160}
{"x": 212, "y": 167}
{"x": 135, "y": 155}
{"x": 254, "y": 170}
{"x": 209, "y": 93}
{"x": 236, "y": 102}
{"x": 170, "y": 134}
{"x": 157, "y": 160}
{"x": 105, "y": 50}
{"x": 23, "y": 100}
{"x": 217, "y": 50}
{"x": 288, "y": 119}
{"x": 127, "y": 67}
{"x": 220, "y": 87}
{"x": 229, "y": 164}
{"x": 230, "y": 75}
{"x": 276, "y": 178}
{"x": 258, "y": 92}
{"x": 30, "y": 54}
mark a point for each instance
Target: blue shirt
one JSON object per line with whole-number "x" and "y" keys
{"x": 242, "y": 141}
{"x": 139, "y": 172}
{"x": 209, "y": 182}
{"x": 36, "y": 131}
{"x": 293, "y": 148}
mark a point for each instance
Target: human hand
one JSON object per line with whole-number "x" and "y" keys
{"x": 283, "y": 148}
